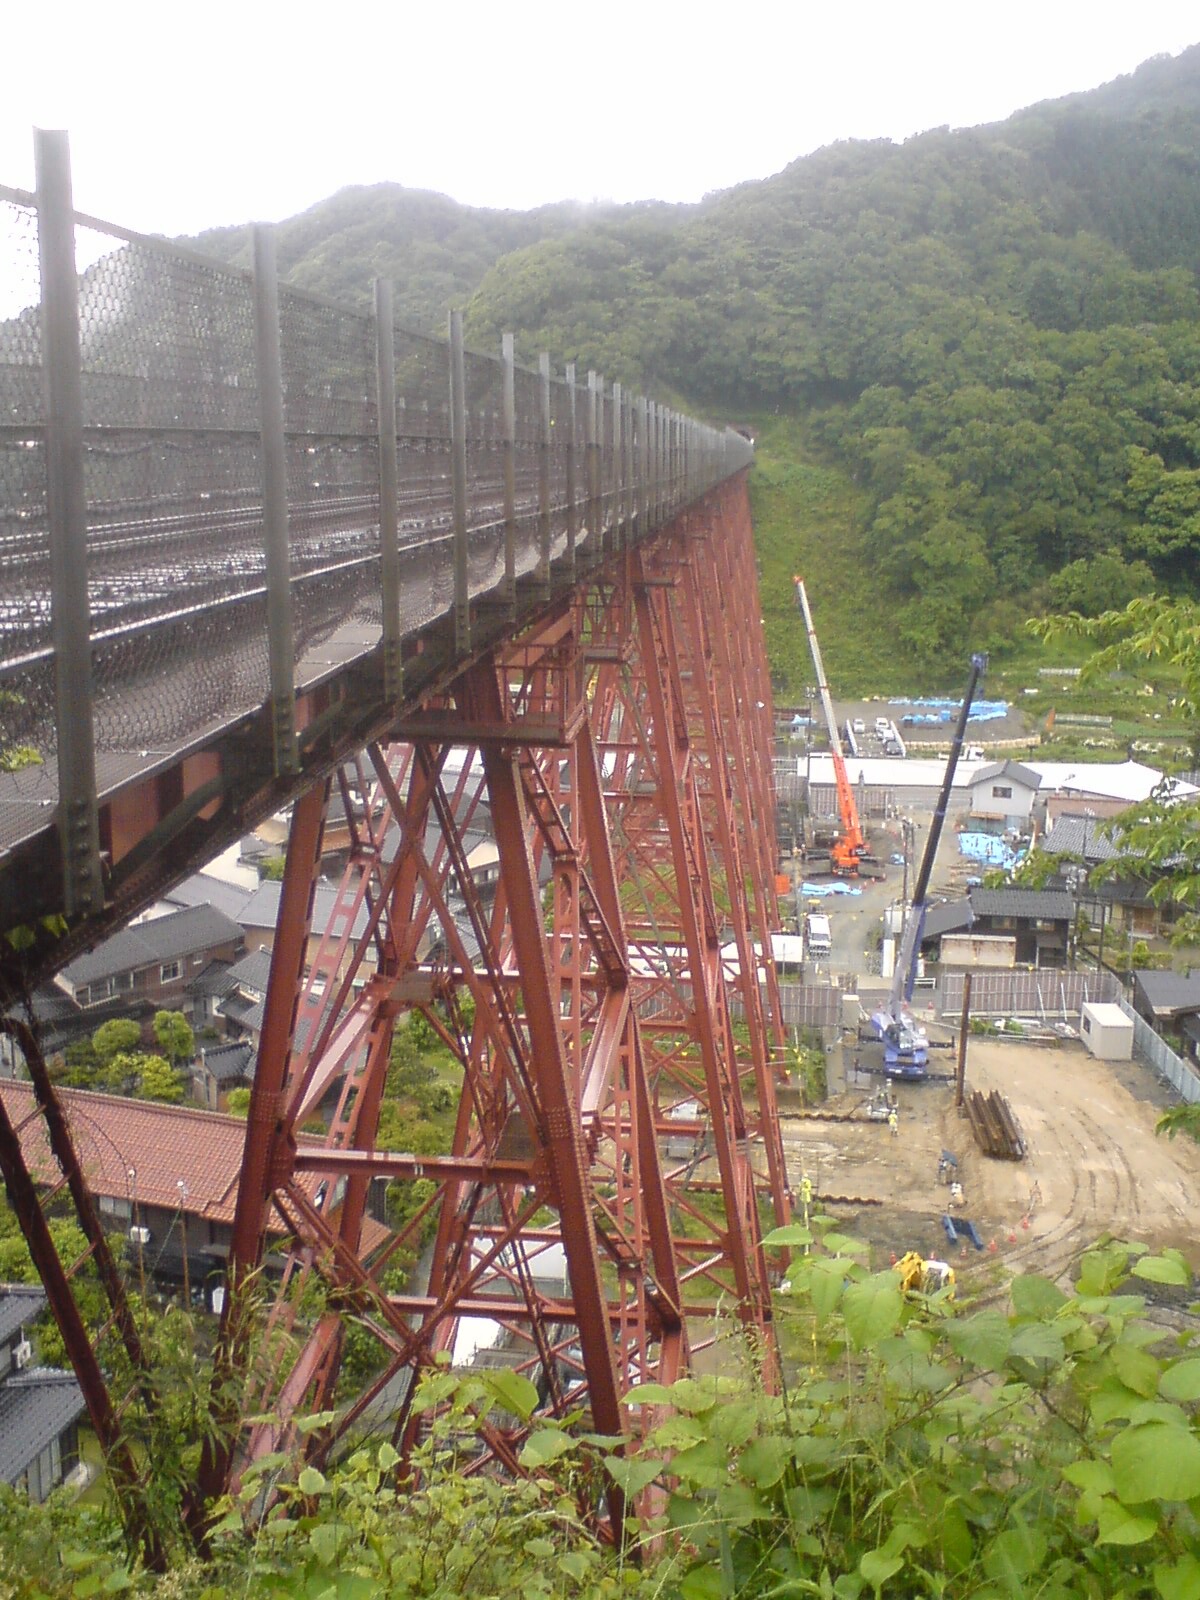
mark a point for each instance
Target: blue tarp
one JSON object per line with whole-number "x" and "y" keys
{"x": 819, "y": 890}
{"x": 989, "y": 849}
{"x": 936, "y": 711}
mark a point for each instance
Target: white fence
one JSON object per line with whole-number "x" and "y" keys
{"x": 1156, "y": 1053}
{"x": 1048, "y": 993}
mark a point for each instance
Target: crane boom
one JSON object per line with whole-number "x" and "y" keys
{"x": 906, "y": 1049}
{"x": 835, "y": 742}
{"x": 851, "y": 843}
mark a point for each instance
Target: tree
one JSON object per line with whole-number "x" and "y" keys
{"x": 115, "y": 1037}
{"x": 157, "y": 1080}
{"x": 1160, "y": 838}
{"x": 175, "y": 1037}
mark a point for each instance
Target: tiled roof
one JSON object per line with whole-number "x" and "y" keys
{"x": 1079, "y": 836}
{"x": 252, "y": 971}
{"x": 19, "y": 1303}
{"x": 214, "y": 980}
{"x": 203, "y": 889}
{"x": 1006, "y": 769}
{"x": 162, "y": 1144}
{"x": 1169, "y": 993}
{"x": 35, "y": 1407}
{"x": 1044, "y": 904}
{"x": 185, "y": 932}
{"x": 951, "y": 917}
{"x": 229, "y": 1062}
{"x": 262, "y": 908}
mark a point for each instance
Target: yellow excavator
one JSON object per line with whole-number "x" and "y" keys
{"x": 920, "y": 1275}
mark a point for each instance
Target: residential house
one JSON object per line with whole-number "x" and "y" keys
{"x": 219, "y": 1068}
{"x": 165, "y": 1177}
{"x": 1038, "y": 920}
{"x": 148, "y": 967}
{"x": 1170, "y": 1003}
{"x": 241, "y": 1006}
{"x": 1002, "y": 797}
{"x": 40, "y": 1407}
{"x": 1121, "y": 901}
{"x": 999, "y": 927}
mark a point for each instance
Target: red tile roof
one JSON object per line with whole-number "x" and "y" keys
{"x": 161, "y": 1143}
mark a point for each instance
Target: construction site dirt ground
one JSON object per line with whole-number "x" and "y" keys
{"x": 1094, "y": 1165}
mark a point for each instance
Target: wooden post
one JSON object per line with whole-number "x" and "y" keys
{"x": 961, "y": 1076}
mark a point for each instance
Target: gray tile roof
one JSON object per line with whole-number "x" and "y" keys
{"x": 1079, "y": 836}
{"x": 19, "y": 1303}
{"x": 35, "y": 1407}
{"x": 262, "y": 908}
{"x": 951, "y": 917}
{"x": 202, "y": 889}
{"x": 1007, "y": 769}
{"x": 1169, "y": 993}
{"x": 214, "y": 980}
{"x": 252, "y": 971}
{"x": 1043, "y": 904}
{"x": 227, "y": 1063}
{"x": 183, "y": 933}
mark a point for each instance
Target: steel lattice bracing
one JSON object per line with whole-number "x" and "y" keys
{"x": 584, "y": 1034}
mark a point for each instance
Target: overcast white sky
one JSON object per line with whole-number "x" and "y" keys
{"x": 183, "y": 116}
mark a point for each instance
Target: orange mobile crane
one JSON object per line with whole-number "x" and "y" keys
{"x": 850, "y": 847}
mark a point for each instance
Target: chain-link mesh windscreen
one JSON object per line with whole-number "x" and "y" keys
{"x": 173, "y": 477}
{"x": 26, "y": 659}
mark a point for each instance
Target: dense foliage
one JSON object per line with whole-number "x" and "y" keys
{"x": 914, "y": 1446}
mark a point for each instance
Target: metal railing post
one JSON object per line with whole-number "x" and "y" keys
{"x": 458, "y": 481}
{"x": 572, "y": 510}
{"x": 66, "y": 495}
{"x": 508, "y": 445}
{"x": 620, "y": 531}
{"x": 389, "y": 513}
{"x": 543, "y": 566}
{"x": 593, "y": 466}
{"x": 280, "y": 635}
{"x": 643, "y": 465}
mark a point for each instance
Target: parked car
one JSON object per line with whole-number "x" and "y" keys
{"x": 859, "y": 725}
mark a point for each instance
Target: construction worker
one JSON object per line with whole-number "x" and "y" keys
{"x": 894, "y": 1122}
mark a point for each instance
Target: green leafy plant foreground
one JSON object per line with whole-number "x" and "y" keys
{"x": 914, "y": 1446}
{"x": 917, "y": 1447}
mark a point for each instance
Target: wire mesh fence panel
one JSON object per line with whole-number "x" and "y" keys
{"x": 173, "y": 481}
{"x": 484, "y": 394}
{"x": 26, "y": 667}
{"x": 527, "y": 390}
{"x": 330, "y": 423}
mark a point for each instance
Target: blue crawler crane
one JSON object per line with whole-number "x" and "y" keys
{"x": 905, "y": 1043}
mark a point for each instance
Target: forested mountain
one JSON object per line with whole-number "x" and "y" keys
{"x": 993, "y": 334}
{"x": 434, "y": 250}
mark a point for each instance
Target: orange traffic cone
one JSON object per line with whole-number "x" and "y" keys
{"x": 1012, "y": 1238}
{"x": 992, "y": 1244}
{"x": 893, "y": 1256}
{"x": 1025, "y": 1222}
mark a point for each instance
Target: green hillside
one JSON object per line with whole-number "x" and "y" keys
{"x": 975, "y": 354}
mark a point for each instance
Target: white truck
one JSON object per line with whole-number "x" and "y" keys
{"x": 817, "y": 940}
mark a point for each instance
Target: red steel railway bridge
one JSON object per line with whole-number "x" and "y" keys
{"x": 259, "y": 551}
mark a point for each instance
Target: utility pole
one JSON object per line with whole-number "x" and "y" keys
{"x": 187, "y": 1287}
{"x": 961, "y": 1075}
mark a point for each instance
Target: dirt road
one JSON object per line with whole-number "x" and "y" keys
{"x": 1095, "y": 1165}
